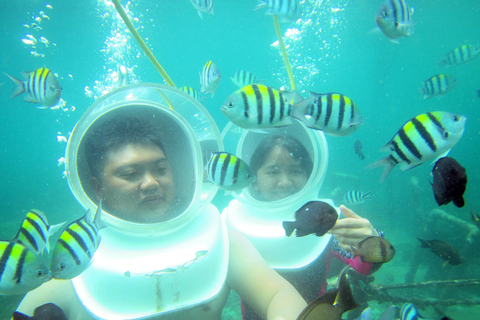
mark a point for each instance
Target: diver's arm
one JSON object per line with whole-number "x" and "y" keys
{"x": 259, "y": 285}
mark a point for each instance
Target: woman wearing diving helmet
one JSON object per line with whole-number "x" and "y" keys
{"x": 165, "y": 252}
{"x": 290, "y": 164}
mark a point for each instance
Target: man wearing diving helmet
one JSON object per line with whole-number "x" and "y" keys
{"x": 153, "y": 241}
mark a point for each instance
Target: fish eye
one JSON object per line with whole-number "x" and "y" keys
{"x": 385, "y": 13}
{"x": 230, "y": 104}
{"x": 456, "y": 118}
{"x": 40, "y": 273}
{"x": 61, "y": 266}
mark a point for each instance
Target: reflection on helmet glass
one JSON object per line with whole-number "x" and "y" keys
{"x": 282, "y": 166}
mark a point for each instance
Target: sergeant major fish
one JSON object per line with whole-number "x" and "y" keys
{"x": 210, "y": 77}
{"x": 395, "y": 19}
{"x": 314, "y": 217}
{"x": 449, "y": 182}
{"x": 287, "y": 10}
{"x": 243, "y": 78}
{"x": 410, "y": 312}
{"x": 259, "y": 106}
{"x": 355, "y": 197}
{"x": 76, "y": 246}
{"x": 203, "y": 6}
{"x": 21, "y": 270}
{"x": 41, "y": 86}
{"x": 438, "y": 85}
{"x": 229, "y": 172}
{"x": 427, "y": 136}
{"x": 333, "y": 113}
{"x": 191, "y": 92}
{"x": 460, "y": 55}
{"x": 35, "y": 232}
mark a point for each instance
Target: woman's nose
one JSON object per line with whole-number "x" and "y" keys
{"x": 284, "y": 180}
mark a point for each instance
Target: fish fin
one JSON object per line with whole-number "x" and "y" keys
{"x": 444, "y": 264}
{"x": 97, "y": 220}
{"x": 51, "y": 231}
{"x": 459, "y": 202}
{"x": 293, "y": 96}
{"x": 19, "y": 87}
{"x": 345, "y": 300}
{"x": 29, "y": 98}
{"x": 20, "y": 316}
{"x": 213, "y": 92}
{"x": 38, "y": 107}
{"x": 200, "y": 14}
{"x": 424, "y": 244}
{"x": 289, "y": 227}
{"x": 260, "y": 4}
{"x": 387, "y": 165}
{"x": 369, "y": 195}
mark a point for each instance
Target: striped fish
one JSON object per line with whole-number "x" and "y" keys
{"x": 34, "y": 232}
{"x": 395, "y": 19}
{"x": 332, "y": 113}
{"x": 203, "y": 6}
{"x": 428, "y": 136}
{"x": 76, "y": 246}
{"x": 243, "y": 78}
{"x": 437, "y": 85}
{"x": 259, "y": 106}
{"x": 191, "y": 92}
{"x": 354, "y": 197}
{"x": 210, "y": 77}
{"x": 460, "y": 55}
{"x": 21, "y": 270}
{"x": 41, "y": 86}
{"x": 229, "y": 172}
{"x": 374, "y": 250}
{"x": 287, "y": 10}
{"x": 410, "y": 312}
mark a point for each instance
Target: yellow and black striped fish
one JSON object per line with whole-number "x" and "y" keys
{"x": 21, "y": 270}
{"x": 209, "y": 78}
{"x": 426, "y": 137}
{"x": 76, "y": 246}
{"x": 34, "y": 232}
{"x": 259, "y": 106}
{"x": 332, "y": 113}
{"x": 438, "y": 85}
{"x": 460, "y": 55}
{"x": 228, "y": 172}
{"x": 41, "y": 86}
{"x": 191, "y": 92}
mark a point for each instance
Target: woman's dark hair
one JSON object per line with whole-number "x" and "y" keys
{"x": 116, "y": 132}
{"x": 292, "y": 145}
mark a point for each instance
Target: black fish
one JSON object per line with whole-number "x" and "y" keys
{"x": 314, "y": 217}
{"x": 48, "y": 311}
{"x": 475, "y": 219}
{"x": 358, "y": 149}
{"x": 449, "y": 182}
{"x": 332, "y": 304}
{"x": 443, "y": 250}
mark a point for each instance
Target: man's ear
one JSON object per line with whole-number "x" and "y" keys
{"x": 97, "y": 188}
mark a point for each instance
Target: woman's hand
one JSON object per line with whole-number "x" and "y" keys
{"x": 352, "y": 229}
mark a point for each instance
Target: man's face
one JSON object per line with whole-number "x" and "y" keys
{"x": 136, "y": 184}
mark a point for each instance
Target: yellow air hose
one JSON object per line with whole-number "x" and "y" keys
{"x": 142, "y": 44}
{"x": 284, "y": 52}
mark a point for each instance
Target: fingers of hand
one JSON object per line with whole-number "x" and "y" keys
{"x": 348, "y": 212}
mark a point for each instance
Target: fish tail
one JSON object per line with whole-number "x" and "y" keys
{"x": 300, "y": 110}
{"x": 289, "y": 227}
{"x": 260, "y": 4}
{"x": 387, "y": 165}
{"x": 369, "y": 195}
{"x": 19, "y": 88}
{"x": 424, "y": 243}
{"x": 459, "y": 202}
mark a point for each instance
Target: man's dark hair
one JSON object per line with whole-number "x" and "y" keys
{"x": 116, "y": 133}
{"x": 292, "y": 145}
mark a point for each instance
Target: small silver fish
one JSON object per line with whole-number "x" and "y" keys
{"x": 210, "y": 77}
{"x": 41, "y": 86}
{"x": 287, "y": 10}
{"x": 395, "y": 19}
{"x": 203, "y": 6}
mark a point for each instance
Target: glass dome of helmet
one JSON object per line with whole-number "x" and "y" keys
{"x": 188, "y": 135}
{"x": 243, "y": 144}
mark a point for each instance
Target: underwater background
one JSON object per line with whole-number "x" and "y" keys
{"x": 332, "y": 48}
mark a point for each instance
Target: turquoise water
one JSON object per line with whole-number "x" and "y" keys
{"x": 332, "y": 49}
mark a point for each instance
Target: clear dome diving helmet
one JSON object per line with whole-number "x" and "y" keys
{"x": 141, "y": 269}
{"x": 261, "y": 221}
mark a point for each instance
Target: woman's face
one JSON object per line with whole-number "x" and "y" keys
{"x": 280, "y": 176}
